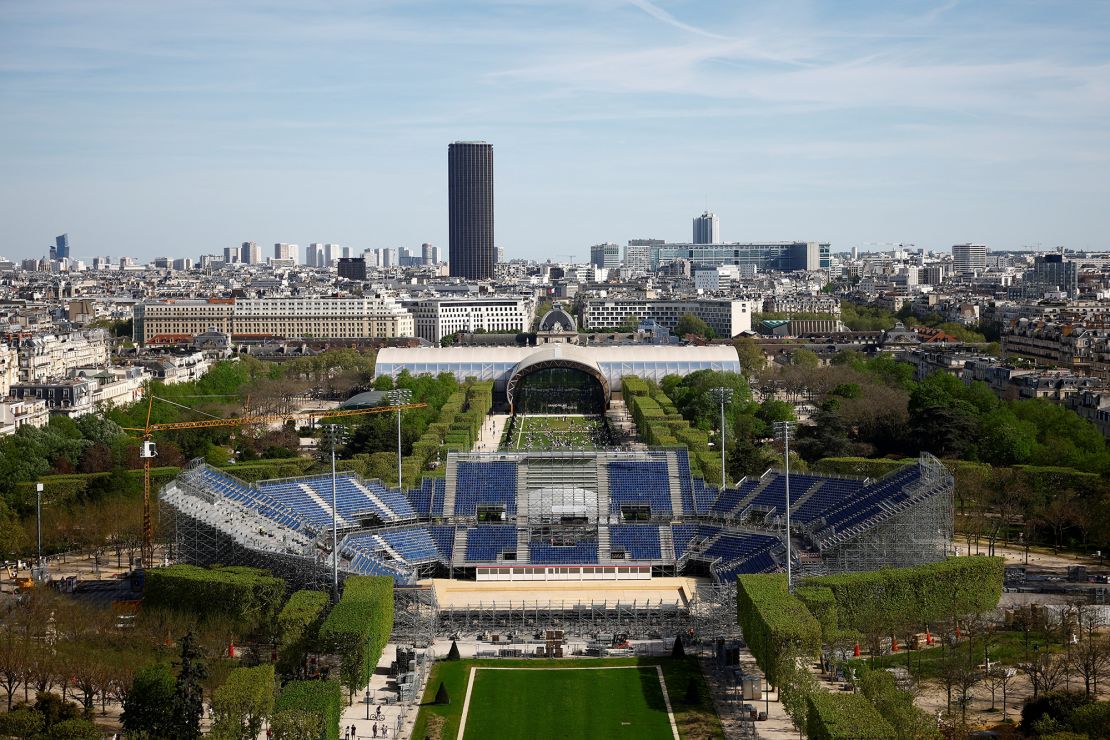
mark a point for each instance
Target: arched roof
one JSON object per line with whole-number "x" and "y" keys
{"x": 558, "y": 317}
{"x": 556, "y": 355}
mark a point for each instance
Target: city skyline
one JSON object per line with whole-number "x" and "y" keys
{"x": 857, "y": 124}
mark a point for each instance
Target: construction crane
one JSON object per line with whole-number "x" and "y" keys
{"x": 148, "y": 451}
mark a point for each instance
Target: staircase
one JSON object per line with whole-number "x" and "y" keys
{"x": 522, "y": 537}
{"x": 675, "y": 484}
{"x": 796, "y": 502}
{"x": 458, "y": 552}
{"x": 744, "y": 501}
{"x": 602, "y": 490}
{"x": 604, "y": 546}
{"x": 449, "y": 492}
{"x": 666, "y": 543}
{"x": 521, "y": 494}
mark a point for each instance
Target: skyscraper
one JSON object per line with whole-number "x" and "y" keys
{"x": 284, "y": 251}
{"x": 605, "y": 255}
{"x": 470, "y": 209}
{"x": 250, "y": 253}
{"x": 707, "y": 230}
{"x": 968, "y": 258}
{"x": 60, "y": 250}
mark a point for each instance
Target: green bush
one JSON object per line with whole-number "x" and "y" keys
{"x": 890, "y": 599}
{"x": 314, "y": 698}
{"x": 632, "y": 385}
{"x": 249, "y": 597}
{"x": 359, "y": 626}
{"x": 775, "y": 623}
{"x": 297, "y": 624}
{"x": 896, "y": 706}
{"x": 845, "y": 717}
{"x": 243, "y": 702}
{"x": 822, "y": 605}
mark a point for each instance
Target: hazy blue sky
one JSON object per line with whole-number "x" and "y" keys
{"x": 148, "y": 128}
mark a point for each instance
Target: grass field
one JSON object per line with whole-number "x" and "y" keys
{"x": 567, "y": 704}
{"x": 554, "y": 432}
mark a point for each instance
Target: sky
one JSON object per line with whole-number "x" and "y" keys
{"x": 178, "y": 128}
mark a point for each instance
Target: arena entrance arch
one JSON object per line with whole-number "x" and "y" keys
{"x": 557, "y": 379}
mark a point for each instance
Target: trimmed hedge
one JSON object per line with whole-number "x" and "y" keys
{"x": 776, "y": 624}
{"x": 822, "y": 605}
{"x": 358, "y": 627}
{"x": 890, "y": 599}
{"x": 248, "y": 596}
{"x": 243, "y": 702}
{"x": 317, "y": 698}
{"x": 845, "y": 717}
{"x": 296, "y": 626}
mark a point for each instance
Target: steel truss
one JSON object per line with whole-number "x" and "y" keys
{"x": 915, "y": 532}
{"x": 415, "y": 615}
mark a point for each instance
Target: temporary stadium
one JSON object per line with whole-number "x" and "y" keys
{"x": 620, "y": 539}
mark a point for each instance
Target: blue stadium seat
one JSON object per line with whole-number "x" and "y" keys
{"x": 639, "y": 483}
{"x": 639, "y": 541}
{"x": 485, "y": 484}
{"x": 547, "y": 554}
{"x": 486, "y": 542}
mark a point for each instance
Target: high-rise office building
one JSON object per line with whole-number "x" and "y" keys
{"x": 231, "y": 255}
{"x": 60, "y": 250}
{"x": 284, "y": 251}
{"x": 315, "y": 255}
{"x": 967, "y": 258}
{"x": 707, "y": 229}
{"x": 605, "y": 255}
{"x": 470, "y": 209}
{"x": 250, "y": 253}
{"x": 429, "y": 254}
{"x": 1052, "y": 272}
{"x": 352, "y": 268}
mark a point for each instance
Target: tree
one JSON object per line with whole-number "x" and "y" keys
{"x": 678, "y": 651}
{"x": 453, "y": 653}
{"x": 945, "y": 429}
{"x": 1045, "y": 671}
{"x": 691, "y": 324}
{"x": 441, "y": 694}
{"x": 243, "y": 703}
{"x": 751, "y": 356}
{"x": 805, "y": 358}
{"x": 1058, "y": 515}
{"x": 295, "y": 724}
{"x": 1090, "y": 656}
{"x": 148, "y": 705}
{"x": 693, "y": 692}
{"x": 188, "y": 700}
{"x": 13, "y": 659}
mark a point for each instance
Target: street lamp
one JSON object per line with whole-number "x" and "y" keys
{"x": 38, "y": 519}
{"x": 333, "y": 437}
{"x": 722, "y": 395}
{"x": 783, "y": 429}
{"x": 399, "y": 397}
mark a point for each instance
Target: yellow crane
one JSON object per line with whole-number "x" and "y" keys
{"x": 148, "y": 451}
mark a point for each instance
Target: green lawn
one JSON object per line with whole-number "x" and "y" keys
{"x": 577, "y": 715}
{"x": 1005, "y": 646}
{"x": 553, "y": 432}
{"x": 523, "y": 704}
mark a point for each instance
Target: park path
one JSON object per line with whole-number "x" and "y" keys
{"x": 492, "y": 428}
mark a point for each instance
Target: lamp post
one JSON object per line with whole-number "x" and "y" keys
{"x": 399, "y": 397}
{"x": 783, "y": 430}
{"x": 333, "y": 437}
{"x": 38, "y": 519}
{"x": 723, "y": 396}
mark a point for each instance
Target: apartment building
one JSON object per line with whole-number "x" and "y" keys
{"x": 726, "y": 317}
{"x": 46, "y": 356}
{"x": 436, "y": 318}
{"x": 167, "y": 322}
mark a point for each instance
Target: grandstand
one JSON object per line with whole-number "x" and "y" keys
{"x": 564, "y": 515}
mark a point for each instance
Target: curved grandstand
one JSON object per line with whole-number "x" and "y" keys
{"x": 571, "y": 515}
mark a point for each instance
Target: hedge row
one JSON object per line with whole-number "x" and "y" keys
{"x": 297, "y": 623}
{"x": 776, "y": 625}
{"x": 896, "y": 705}
{"x": 891, "y": 599}
{"x": 359, "y": 626}
{"x": 456, "y": 429}
{"x": 845, "y": 717}
{"x": 322, "y": 699}
{"x": 659, "y": 423}
{"x": 243, "y": 702}
{"x": 250, "y": 597}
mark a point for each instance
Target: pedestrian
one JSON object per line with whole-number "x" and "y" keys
{"x": 374, "y": 730}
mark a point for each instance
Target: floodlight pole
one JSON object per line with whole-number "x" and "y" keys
{"x": 398, "y": 397}
{"x": 332, "y": 431}
{"x": 38, "y": 518}
{"x": 783, "y": 429}
{"x": 724, "y": 395}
